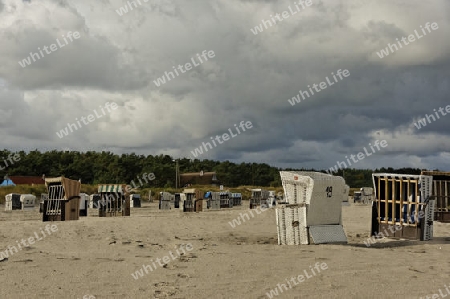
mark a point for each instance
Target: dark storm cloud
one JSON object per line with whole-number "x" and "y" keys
{"x": 251, "y": 77}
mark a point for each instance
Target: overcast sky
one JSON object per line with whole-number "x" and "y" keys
{"x": 250, "y": 78}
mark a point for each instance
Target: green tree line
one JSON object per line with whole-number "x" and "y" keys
{"x": 106, "y": 167}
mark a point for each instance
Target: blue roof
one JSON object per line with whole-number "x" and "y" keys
{"x": 7, "y": 182}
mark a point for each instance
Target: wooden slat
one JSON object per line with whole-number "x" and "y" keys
{"x": 416, "y": 211}
{"x": 446, "y": 199}
{"x": 394, "y": 198}
{"x": 379, "y": 198}
{"x": 401, "y": 202}
{"x": 386, "y": 191}
{"x": 409, "y": 201}
{"x": 436, "y": 191}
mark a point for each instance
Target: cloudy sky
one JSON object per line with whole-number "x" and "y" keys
{"x": 117, "y": 58}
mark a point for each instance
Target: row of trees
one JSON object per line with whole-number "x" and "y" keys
{"x": 106, "y": 167}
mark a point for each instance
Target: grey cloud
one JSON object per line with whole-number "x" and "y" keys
{"x": 250, "y": 78}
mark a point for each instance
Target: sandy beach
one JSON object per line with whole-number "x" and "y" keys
{"x": 96, "y": 257}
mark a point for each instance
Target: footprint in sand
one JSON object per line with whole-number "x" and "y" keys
{"x": 162, "y": 284}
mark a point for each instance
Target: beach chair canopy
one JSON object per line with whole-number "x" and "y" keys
{"x": 71, "y": 187}
{"x": 114, "y": 188}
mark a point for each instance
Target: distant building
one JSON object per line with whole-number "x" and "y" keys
{"x": 27, "y": 180}
{"x": 199, "y": 178}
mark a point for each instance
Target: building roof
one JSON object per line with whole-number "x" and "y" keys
{"x": 198, "y": 178}
{"x": 7, "y": 182}
{"x": 201, "y": 173}
{"x": 27, "y": 180}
